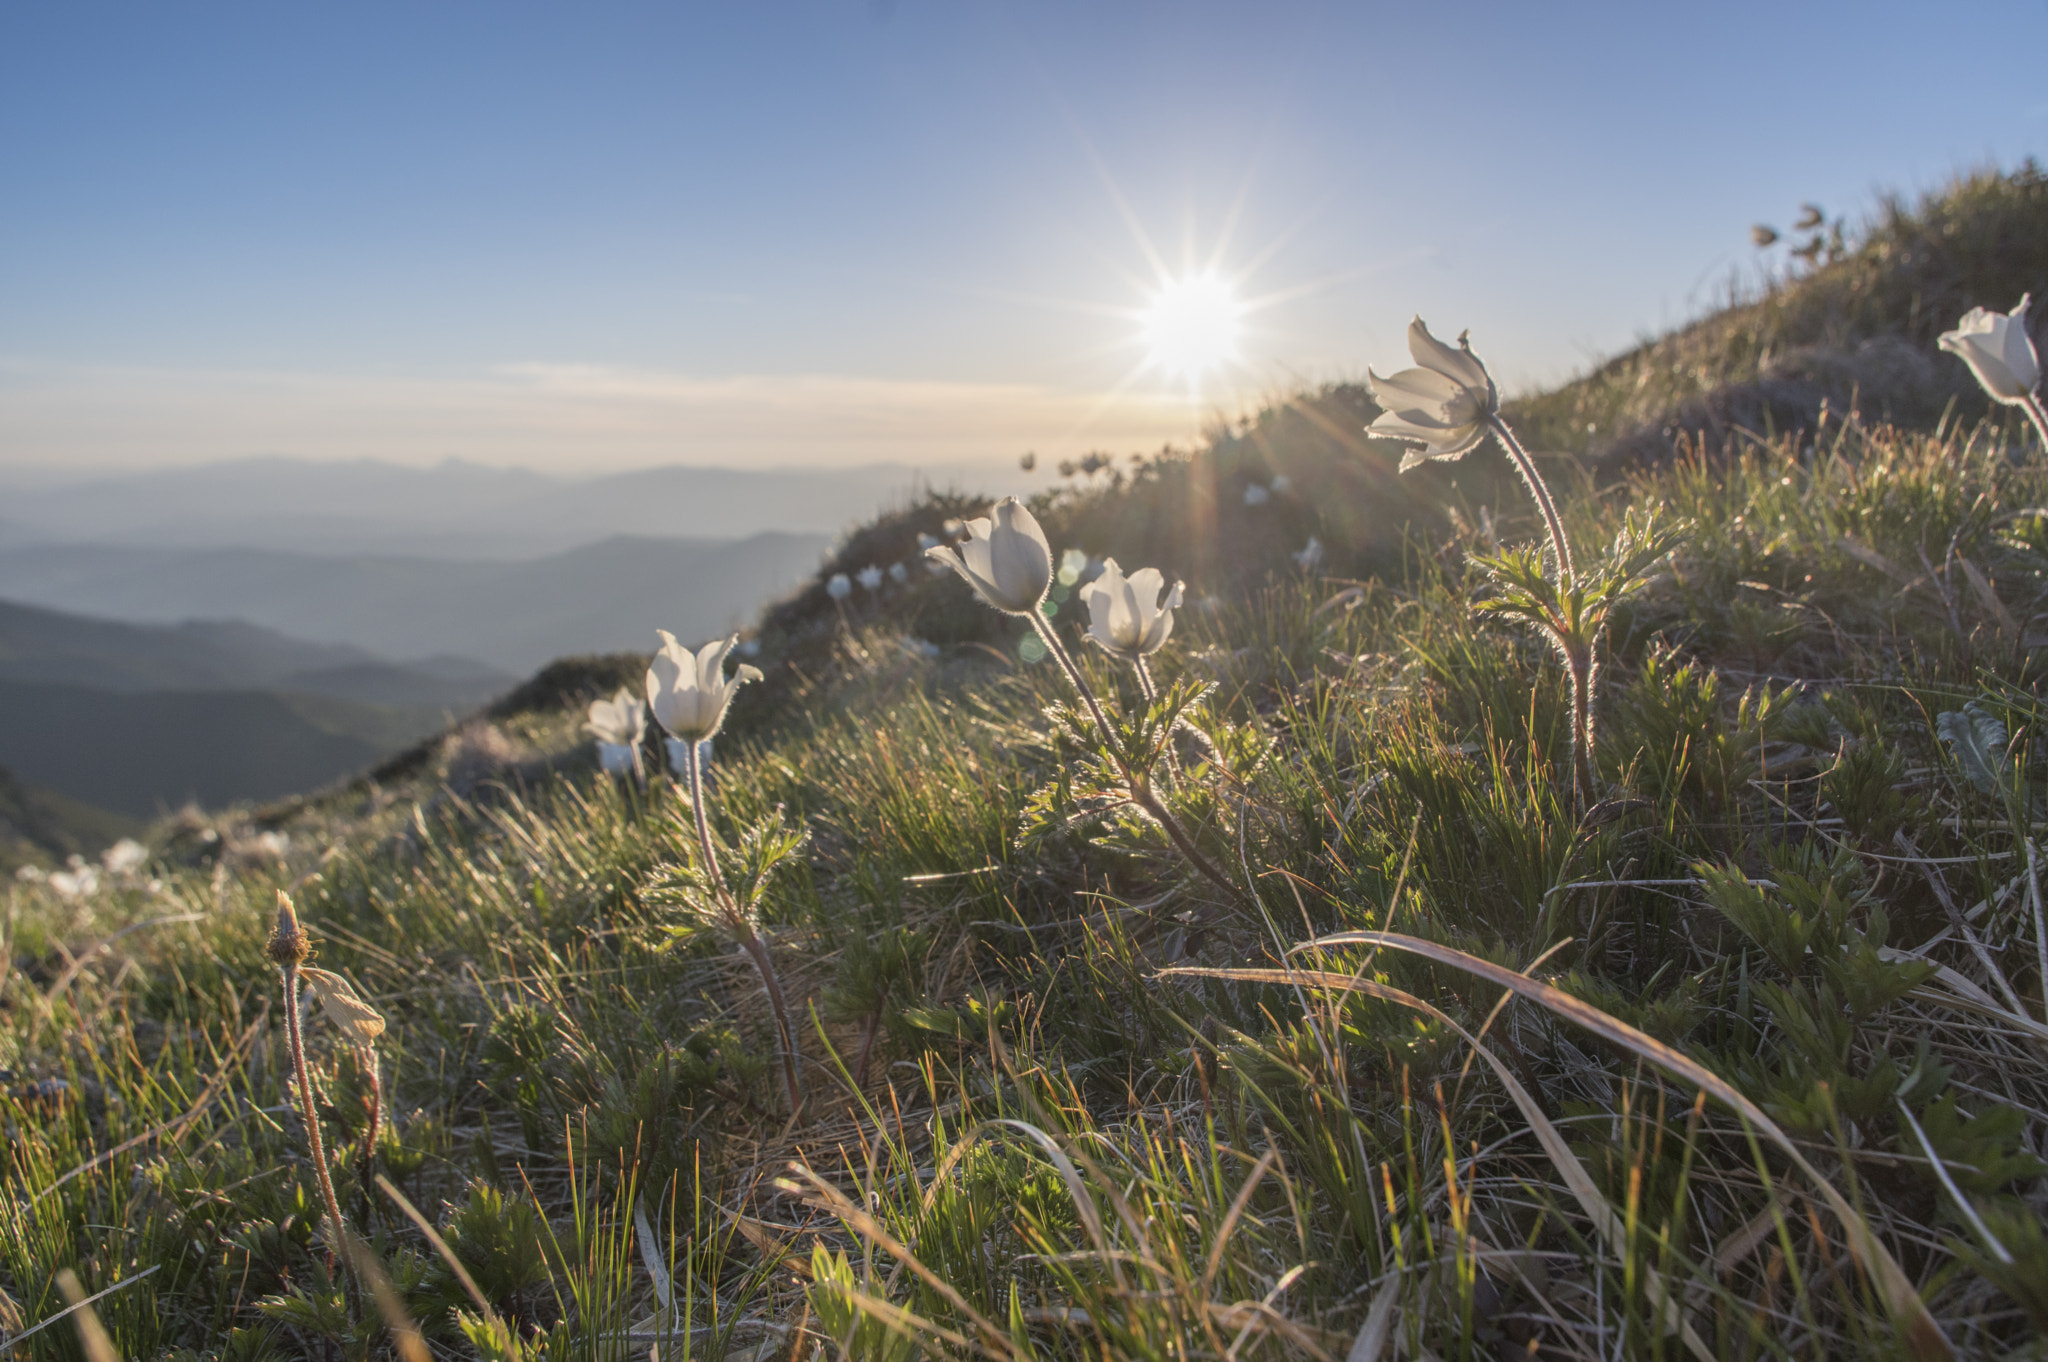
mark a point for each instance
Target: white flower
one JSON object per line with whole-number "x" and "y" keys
{"x": 688, "y": 692}
{"x": 898, "y": 573}
{"x": 871, "y": 577}
{"x": 1444, "y": 406}
{"x": 124, "y": 857}
{"x": 30, "y": 874}
{"x": 619, "y": 724}
{"x": 1255, "y": 494}
{"x": 926, "y": 542}
{"x": 1125, "y": 614}
{"x": 77, "y": 883}
{"x": 1281, "y": 483}
{"x": 923, "y": 648}
{"x": 1311, "y": 556}
{"x": 1996, "y": 347}
{"x": 621, "y": 720}
{"x": 839, "y": 587}
{"x": 750, "y": 647}
{"x": 1006, "y": 560}
{"x": 274, "y": 844}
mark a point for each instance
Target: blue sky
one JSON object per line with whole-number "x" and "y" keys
{"x": 595, "y": 235}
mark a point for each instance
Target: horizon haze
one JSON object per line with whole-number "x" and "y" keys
{"x": 630, "y": 234}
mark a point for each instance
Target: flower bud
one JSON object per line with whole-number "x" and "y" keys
{"x": 288, "y": 946}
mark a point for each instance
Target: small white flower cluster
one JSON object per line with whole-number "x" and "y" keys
{"x": 1259, "y": 493}
{"x": 839, "y": 586}
{"x": 120, "y": 864}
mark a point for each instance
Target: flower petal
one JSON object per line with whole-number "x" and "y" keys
{"x": 1456, "y": 363}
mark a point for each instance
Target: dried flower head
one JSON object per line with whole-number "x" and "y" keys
{"x": 288, "y": 946}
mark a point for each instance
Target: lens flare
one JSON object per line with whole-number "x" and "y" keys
{"x": 1191, "y": 327}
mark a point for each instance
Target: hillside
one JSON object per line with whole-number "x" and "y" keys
{"x": 1352, "y": 1017}
{"x": 53, "y": 647}
{"x": 1855, "y": 333}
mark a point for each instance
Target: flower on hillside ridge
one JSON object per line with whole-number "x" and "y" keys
{"x": 1445, "y": 405}
{"x": 1005, "y": 559}
{"x": 870, "y": 577}
{"x": 1255, "y": 494}
{"x": 619, "y": 724}
{"x": 1998, "y": 350}
{"x": 1125, "y": 614}
{"x": 689, "y": 692}
{"x": 839, "y": 586}
{"x": 1311, "y": 555}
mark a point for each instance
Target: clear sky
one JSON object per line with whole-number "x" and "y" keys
{"x": 598, "y": 235}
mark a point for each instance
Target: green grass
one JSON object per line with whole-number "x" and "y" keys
{"x": 1069, "y": 1100}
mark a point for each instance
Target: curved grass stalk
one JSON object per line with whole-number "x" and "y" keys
{"x": 1922, "y": 1337}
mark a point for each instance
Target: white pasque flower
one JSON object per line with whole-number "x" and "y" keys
{"x": 839, "y": 586}
{"x": 871, "y": 577}
{"x": 898, "y": 573}
{"x": 619, "y": 724}
{"x": 1311, "y": 555}
{"x": 125, "y": 857}
{"x": 1255, "y": 494}
{"x": 1998, "y": 350}
{"x": 1445, "y": 405}
{"x": 1125, "y": 614}
{"x": 687, "y": 691}
{"x": 1005, "y": 559}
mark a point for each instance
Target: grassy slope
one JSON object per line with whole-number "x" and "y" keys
{"x": 1244, "y": 1163}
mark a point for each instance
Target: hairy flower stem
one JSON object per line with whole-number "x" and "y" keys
{"x": 1539, "y": 491}
{"x": 315, "y": 1146}
{"x": 1580, "y": 657}
{"x": 749, "y": 939}
{"x": 1583, "y": 666}
{"x": 2038, "y": 414}
{"x": 1139, "y": 788}
{"x": 1151, "y": 694}
{"x": 366, "y": 1056}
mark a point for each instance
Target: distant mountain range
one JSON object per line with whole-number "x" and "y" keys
{"x": 513, "y": 616}
{"x": 455, "y": 509}
{"x": 138, "y": 719}
{"x": 41, "y": 645}
{"x": 249, "y": 630}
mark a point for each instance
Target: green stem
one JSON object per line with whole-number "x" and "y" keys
{"x": 1140, "y": 791}
{"x": 1539, "y": 491}
{"x": 749, "y": 939}
{"x": 1151, "y": 694}
{"x": 1583, "y": 668}
{"x": 295, "y": 1037}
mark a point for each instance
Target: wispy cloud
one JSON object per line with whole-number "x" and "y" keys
{"x": 554, "y": 416}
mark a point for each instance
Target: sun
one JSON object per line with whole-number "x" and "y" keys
{"x": 1192, "y": 325}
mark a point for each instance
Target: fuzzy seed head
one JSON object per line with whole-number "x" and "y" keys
{"x": 288, "y": 945}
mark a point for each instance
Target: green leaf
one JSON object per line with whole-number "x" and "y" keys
{"x": 1978, "y": 740}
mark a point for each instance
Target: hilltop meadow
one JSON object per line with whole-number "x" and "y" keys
{"x": 1354, "y": 997}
